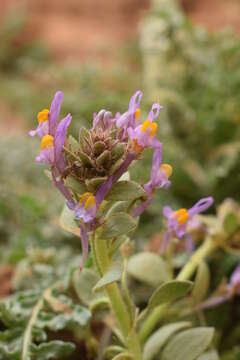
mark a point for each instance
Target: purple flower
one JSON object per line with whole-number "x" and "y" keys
{"x": 131, "y": 117}
{"x": 52, "y": 134}
{"x": 160, "y": 173}
{"x": 180, "y": 220}
{"x": 104, "y": 119}
{"x": 86, "y": 209}
{"x": 144, "y": 135}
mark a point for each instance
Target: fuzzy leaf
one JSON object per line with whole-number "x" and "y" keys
{"x": 123, "y": 356}
{"x": 67, "y": 221}
{"x": 86, "y": 160}
{"x": 169, "y": 292}
{"x": 156, "y": 342}
{"x": 149, "y": 268}
{"x": 202, "y": 282}
{"x": 75, "y": 185}
{"x": 112, "y": 275}
{"x": 104, "y": 158}
{"x": 125, "y": 191}
{"x": 188, "y": 345}
{"x": 51, "y": 350}
{"x": 210, "y": 355}
{"x": 116, "y": 225}
{"x": 92, "y": 184}
{"x": 230, "y": 223}
{"x": 74, "y": 144}
{"x": 83, "y": 282}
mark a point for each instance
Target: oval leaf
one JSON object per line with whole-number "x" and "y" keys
{"x": 156, "y": 342}
{"x": 169, "y": 292}
{"x": 188, "y": 345}
{"x": 112, "y": 275}
{"x": 149, "y": 268}
{"x": 125, "y": 191}
{"x": 116, "y": 225}
{"x": 67, "y": 221}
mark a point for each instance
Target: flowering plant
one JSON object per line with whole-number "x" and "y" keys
{"x": 102, "y": 207}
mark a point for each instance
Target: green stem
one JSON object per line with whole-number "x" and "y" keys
{"x": 185, "y": 274}
{"x": 114, "y": 294}
{"x": 202, "y": 252}
{"x": 27, "y": 338}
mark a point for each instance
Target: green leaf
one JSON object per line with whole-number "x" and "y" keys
{"x": 124, "y": 356}
{"x": 116, "y": 244}
{"x": 156, "y": 342}
{"x": 230, "y": 223}
{"x": 67, "y": 221}
{"x": 125, "y": 191}
{"x": 83, "y": 282}
{"x": 202, "y": 282}
{"x": 169, "y": 292}
{"x": 86, "y": 160}
{"x": 75, "y": 185}
{"x": 74, "y": 144}
{"x": 149, "y": 268}
{"x": 76, "y": 315}
{"x": 116, "y": 225}
{"x": 51, "y": 350}
{"x": 92, "y": 184}
{"x": 112, "y": 275}
{"x": 188, "y": 345}
{"x": 210, "y": 355}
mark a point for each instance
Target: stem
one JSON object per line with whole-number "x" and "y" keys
{"x": 114, "y": 294}
{"x": 185, "y": 274}
{"x": 202, "y": 252}
{"x": 27, "y": 338}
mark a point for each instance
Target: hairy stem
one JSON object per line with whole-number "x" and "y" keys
{"x": 185, "y": 274}
{"x": 118, "y": 305}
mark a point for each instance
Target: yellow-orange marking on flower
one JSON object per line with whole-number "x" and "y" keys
{"x": 167, "y": 169}
{"x": 43, "y": 115}
{"x": 181, "y": 215}
{"x": 47, "y": 141}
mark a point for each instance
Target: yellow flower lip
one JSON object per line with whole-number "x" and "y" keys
{"x": 47, "y": 141}
{"x": 43, "y": 115}
{"x": 152, "y": 125}
{"x": 137, "y": 113}
{"x": 167, "y": 169}
{"x": 181, "y": 216}
{"x": 88, "y": 199}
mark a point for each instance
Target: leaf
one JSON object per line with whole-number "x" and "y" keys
{"x": 83, "y": 282}
{"x": 124, "y": 356}
{"x": 75, "y": 146}
{"x": 67, "y": 221}
{"x": 51, "y": 350}
{"x": 149, "y": 268}
{"x": 75, "y": 185}
{"x": 230, "y": 223}
{"x": 189, "y": 344}
{"x": 202, "y": 282}
{"x": 210, "y": 355}
{"x": 169, "y": 292}
{"x": 125, "y": 191}
{"x": 156, "y": 342}
{"x": 116, "y": 244}
{"x": 112, "y": 275}
{"x": 116, "y": 225}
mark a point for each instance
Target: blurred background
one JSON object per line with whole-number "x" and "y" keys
{"x": 183, "y": 54}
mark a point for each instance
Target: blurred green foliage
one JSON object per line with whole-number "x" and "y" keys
{"x": 196, "y": 76}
